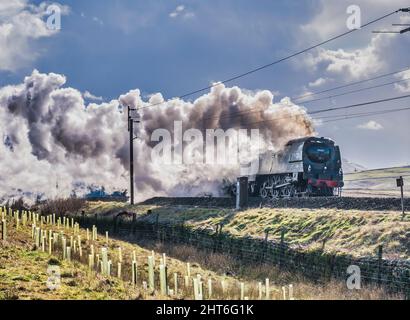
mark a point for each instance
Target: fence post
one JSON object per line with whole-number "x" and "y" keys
{"x": 265, "y": 246}
{"x": 215, "y": 238}
{"x": 282, "y": 247}
{"x": 134, "y": 222}
{"x": 157, "y": 227}
{"x": 379, "y": 264}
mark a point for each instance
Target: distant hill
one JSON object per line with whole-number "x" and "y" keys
{"x": 377, "y": 182}
{"x": 351, "y": 167}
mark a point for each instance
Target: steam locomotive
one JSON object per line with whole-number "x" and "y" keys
{"x": 309, "y": 166}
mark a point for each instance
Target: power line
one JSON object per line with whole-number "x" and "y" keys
{"x": 244, "y": 112}
{"x": 356, "y": 91}
{"x": 350, "y": 84}
{"x": 233, "y": 78}
{"x": 355, "y": 116}
{"x": 335, "y": 108}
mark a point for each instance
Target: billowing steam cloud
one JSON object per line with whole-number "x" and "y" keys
{"x": 53, "y": 142}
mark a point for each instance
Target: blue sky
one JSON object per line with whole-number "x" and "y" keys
{"x": 173, "y": 47}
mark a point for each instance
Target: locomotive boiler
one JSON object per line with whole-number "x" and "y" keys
{"x": 309, "y": 166}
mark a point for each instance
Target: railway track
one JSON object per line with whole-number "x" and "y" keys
{"x": 346, "y": 203}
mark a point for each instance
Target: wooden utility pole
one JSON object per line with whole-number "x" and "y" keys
{"x": 131, "y": 120}
{"x": 131, "y": 131}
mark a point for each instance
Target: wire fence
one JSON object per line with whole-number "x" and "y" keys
{"x": 393, "y": 275}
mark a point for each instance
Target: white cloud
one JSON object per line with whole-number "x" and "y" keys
{"x": 354, "y": 64}
{"x": 98, "y": 20}
{"x": 180, "y": 11}
{"x": 20, "y": 24}
{"x": 371, "y": 125}
{"x": 405, "y": 85}
{"x": 88, "y": 95}
{"x": 317, "y": 83}
{"x": 364, "y": 54}
{"x": 332, "y": 17}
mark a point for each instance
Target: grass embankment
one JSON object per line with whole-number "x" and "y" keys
{"x": 349, "y": 231}
{"x": 23, "y": 271}
{"x": 23, "y": 274}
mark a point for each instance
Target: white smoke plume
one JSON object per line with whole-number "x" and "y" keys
{"x": 53, "y": 142}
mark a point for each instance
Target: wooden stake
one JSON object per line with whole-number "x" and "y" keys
{"x": 69, "y": 253}
{"x": 176, "y": 283}
{"x": 291, "y": 292}
{"x": 109, "y": 264}
{"x": 4, "y": 229}
{"x": 104, "y": 258}
{"x": 186, "y": 280}
{"x": 223, "y": 287}
{"x": 50, "y": 245}
{"x": 91, "y": 261}
{"x": 242, "y": 291}
{"x": 284, "y": 293}
{"x": 164, "y": 259}
{"x": 209, "y": 288}
{"x": 267, "y": 293}
{"x": 120, "y": 254}
{"x": 260, "y": 290}
{"x": 134, "y": 272}
{"x": 43, "y": 243}
{"x": 196, "y": 289}
{"x": 119, "y": 270}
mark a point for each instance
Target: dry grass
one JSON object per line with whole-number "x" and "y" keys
{"x": 304, "y": 288}
{"x": 61, "y": 206}
{"x": 346, "y": 231}
{"x": 23, "y": 274}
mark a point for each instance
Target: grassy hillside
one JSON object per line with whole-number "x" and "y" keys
{"x": 380, "y": 182}
{"x": 356, "y": 232}
{"x": 23, "y": 273}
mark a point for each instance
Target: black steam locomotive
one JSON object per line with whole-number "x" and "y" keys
{"x": 305, "y": 167}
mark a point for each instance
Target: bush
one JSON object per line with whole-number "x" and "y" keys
{"x": 61, "y": 206}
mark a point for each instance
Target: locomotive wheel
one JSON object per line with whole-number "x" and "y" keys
{"x": 288, "y": 191}
{"x": 263, "y": 191}
{"x": 274, "y": 193}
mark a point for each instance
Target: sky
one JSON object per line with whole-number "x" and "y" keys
{"x": 107, "y": 48}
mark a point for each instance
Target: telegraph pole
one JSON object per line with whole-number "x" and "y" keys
{"x": 131, "y": 120}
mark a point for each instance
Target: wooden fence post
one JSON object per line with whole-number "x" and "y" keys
{"x": 379, "y": 264}
{"x": 282, "y": 248}
{"x": 265, "y": 246}
{"x": 134, "y": 223}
